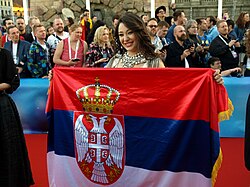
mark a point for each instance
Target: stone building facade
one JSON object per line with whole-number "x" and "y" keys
{"x": 6, "y": 8}
{"x": 47, "y": 10}
{"x": 201, "y": 8}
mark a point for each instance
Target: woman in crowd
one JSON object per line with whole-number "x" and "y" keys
{"x": 246, "y": 61}
{"x": 240, "y": 26}
{"x": 68, "y": 22}
{"x": 15, "y": 166}
{"x": 72, "y": 50}
{"x": 138, "y": 52}
{"x": 100, "y": 51}
{"x": 200, "y": 53}
{"x": 91, "y": 35}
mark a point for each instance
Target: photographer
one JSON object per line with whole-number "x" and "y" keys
{"x": 181, "y": 53}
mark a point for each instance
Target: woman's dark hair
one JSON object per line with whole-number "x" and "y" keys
{"x": 91, "y": 35}
{"x": 247, "y": 40}
{"x": 169, "y": 20}
{"x": 240, "y": 21}
{"x": 136, "y": 25}
{"x": 71, "y": 21}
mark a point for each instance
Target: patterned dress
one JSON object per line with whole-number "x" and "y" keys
{"x": 95, "y": 53}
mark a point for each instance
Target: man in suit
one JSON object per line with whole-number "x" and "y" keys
{"x": 19, "y": 50}
{"x": 225, "y": 48}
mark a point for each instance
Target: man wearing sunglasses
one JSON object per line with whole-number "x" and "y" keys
{"x": 152, "y": 28}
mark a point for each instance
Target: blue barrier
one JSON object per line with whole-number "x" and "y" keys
{"x": 238, "y": 91}
{"x": 31, "y": 100}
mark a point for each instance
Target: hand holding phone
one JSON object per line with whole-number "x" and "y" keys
{"x": 75, "y": 60}
{"x": 164, "y": 48}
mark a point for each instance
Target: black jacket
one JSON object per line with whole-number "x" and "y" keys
{"x": 174, "y": 53}
{"x": 221, "y": 50}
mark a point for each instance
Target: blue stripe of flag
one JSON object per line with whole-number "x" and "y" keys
{"x": 151, "y": 143}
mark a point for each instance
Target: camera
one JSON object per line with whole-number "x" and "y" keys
{"x": 238, "y": 75}
{"x": 188, "y": 44}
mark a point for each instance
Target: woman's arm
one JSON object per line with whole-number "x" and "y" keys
{"x": 161, "y": 64}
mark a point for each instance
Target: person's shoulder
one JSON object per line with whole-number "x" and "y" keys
{"x": 51, "y": 37}
{"x": 65, "y": 34}
{"x": 34, "y": 44}
{"x": 5, "y": 54}
{"x": 2, "y": 50}
{"x": 154, "y": 62}
{"x": 114, "y": 61}
{"x": 24, "y": 42}
{"x": 6, "y": 44}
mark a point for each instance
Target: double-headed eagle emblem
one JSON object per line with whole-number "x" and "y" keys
{"x": 99, "y": 135}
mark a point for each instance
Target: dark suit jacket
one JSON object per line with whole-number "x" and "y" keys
{"x": 22, "y": 52}
{"x": 28, "y": 37}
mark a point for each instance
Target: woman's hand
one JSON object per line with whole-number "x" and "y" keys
{"x": 50, "y": 76}
{"x": 101, "y": 60}
{"x": 217, "y": 77}
{"x": 71, "y": 62}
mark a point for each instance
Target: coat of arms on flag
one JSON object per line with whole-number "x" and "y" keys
{"x": 99, "y": 135}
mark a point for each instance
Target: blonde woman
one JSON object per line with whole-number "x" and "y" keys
{"x": 72, "y": 50}
{"x": 100, "y": 50}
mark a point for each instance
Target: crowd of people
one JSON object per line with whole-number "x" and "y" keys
{"x": 87, "y": 42}
{"x": 132, "y": 42}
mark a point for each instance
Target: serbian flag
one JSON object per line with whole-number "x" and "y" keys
{"x": 134, "y": 127}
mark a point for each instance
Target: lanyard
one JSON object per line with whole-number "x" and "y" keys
{"x": 223, "y": 39}
{"x": 226, "y": 42}
{"x": 77, "y": 46}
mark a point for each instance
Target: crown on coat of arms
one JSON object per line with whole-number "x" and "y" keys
{"x": 97, "y": 97}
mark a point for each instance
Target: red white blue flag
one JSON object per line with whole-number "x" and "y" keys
{"x": 134, "y": 127}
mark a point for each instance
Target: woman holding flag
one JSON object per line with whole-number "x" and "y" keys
{"x": 134, "y": 39}
{"x": 138, "y": 52}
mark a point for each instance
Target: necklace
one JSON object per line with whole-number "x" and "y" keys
{"x": 131, "y": 61}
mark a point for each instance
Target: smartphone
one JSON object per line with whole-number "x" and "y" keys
{"x": 164, "y": 48}
{"x": 104, "y": 55}
{"x": 237, "y": 40}
{"x": 75, "y": 59}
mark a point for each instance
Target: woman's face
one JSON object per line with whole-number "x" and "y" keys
{"x": 76, "y": 34}
{"x": 193, "y": 29}
{"x": 105, "y": 36}
{"x": 246, "y": 17}
{"x": 128, "y": 39}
